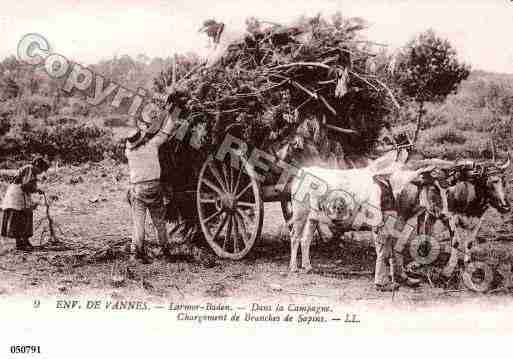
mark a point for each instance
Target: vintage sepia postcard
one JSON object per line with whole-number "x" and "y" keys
{"x": 193, "y": 177}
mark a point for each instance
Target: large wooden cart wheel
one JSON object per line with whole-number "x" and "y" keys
{"x": 230, "y": 207}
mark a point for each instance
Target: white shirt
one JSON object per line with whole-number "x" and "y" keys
{"x": 143, "y": 161}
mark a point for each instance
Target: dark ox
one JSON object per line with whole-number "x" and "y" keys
{"x": 461, "y": 191}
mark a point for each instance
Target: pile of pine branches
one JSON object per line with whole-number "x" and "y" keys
{"x": 317, "y": 75}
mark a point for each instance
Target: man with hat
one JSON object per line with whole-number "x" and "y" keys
{"x": 145, "y": 190}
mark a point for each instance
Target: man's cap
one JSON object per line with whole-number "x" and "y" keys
{"x": 152, "y": 120}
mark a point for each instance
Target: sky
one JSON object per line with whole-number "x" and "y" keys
{"x": 88, "y": 31}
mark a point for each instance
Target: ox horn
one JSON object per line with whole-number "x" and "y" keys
{"x": 505, "y": 164}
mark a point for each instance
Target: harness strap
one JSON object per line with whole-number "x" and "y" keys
{"x": 443, "y": 195}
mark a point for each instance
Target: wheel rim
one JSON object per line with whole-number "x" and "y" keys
{"x": 230, "y": 207}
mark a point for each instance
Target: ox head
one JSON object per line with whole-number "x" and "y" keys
{"x": 489, "y": 178}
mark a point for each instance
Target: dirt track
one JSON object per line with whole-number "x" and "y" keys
{"x": 89, "y": 204}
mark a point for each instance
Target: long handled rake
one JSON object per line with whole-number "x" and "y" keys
{"x": 50, "y": 228}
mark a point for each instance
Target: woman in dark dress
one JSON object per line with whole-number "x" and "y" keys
{"x": 17, "y": 206}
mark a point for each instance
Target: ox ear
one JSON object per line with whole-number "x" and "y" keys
{"x": 384, "y": 164}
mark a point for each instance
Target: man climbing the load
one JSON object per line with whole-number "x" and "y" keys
{"x": 221, "y": 36}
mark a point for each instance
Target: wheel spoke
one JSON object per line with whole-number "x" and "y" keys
{"x": 220, "y": 228}
{"x": 225, "y": 176}
{"x": 236, "y": 231}
{"x": 216, "y": 174}
{"x": 236, "y": 187}
{"x": 244, "y": 232}
{"x": 213, "y": 186}
{"x": 228, "y": 232}
{"x": 207, "y": 200}
{"x": 231, "y": 178}
{"x": 245, "y": 217}
{"x": 236, "y": 244}
{"x": 213, "y": 216}
{"x": 244, "y": 190}
{"x": 245, "y": 204}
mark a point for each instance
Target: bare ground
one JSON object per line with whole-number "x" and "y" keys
{"x": 88, "y": 203}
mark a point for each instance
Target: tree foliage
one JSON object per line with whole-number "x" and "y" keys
{"x": 428, "y": 70}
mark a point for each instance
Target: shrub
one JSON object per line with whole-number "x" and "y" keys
{"x": 450, "y": 143}
{"x": 37, "y": 106}
{"x": 446, "y": 135}
{"x": 62, "y": 120}
{"x": 71, "y": 143}
{"x": 117, "y": 121}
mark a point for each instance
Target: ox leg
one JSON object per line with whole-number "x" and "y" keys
{"x": 470, "y": 240}
{"x": 294, "y": 246}
{"x": 452, "y": 264}
{"x": 306, "y": 241}
{"x": 396, "y": 262}
{"x": 467, "y": 241}
{"x": 298, "y": 225}
{"x": 300, "y": 213}
{"x": 382, "y": 270}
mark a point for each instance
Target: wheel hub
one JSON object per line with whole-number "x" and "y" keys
{"x": 228, "y": 202}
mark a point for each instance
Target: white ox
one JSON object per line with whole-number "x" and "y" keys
{"x": 349, "y": 198}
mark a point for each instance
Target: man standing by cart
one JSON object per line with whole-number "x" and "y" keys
{"x": 145, "y": 190}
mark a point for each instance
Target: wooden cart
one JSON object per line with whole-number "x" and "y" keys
{"x": 228, "y": 197}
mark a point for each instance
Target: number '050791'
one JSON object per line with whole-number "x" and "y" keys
{"x": 25, "y": 349}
